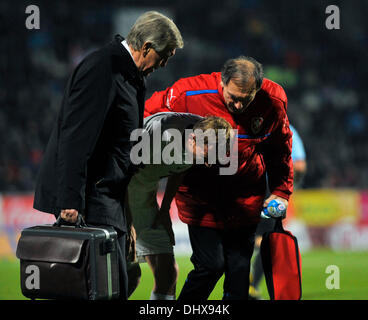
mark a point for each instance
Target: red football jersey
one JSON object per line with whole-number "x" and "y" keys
{"x": 264, "y": 145}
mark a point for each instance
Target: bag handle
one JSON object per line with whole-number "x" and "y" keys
{"x": 78, "y": 224}
{"x": 278, "y": 225}
{"x": 280, "y": 228}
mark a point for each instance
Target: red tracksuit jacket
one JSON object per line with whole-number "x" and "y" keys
{"x": 264, "y": 144}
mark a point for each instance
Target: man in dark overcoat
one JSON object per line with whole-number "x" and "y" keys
{"x": 86, "y": 166}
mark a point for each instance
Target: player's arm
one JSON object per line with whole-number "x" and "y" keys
{"x": 299, "y": 158}
{"x": 163, "y": 217}
{"x": 300, "y": 169}
{"x": 172, "y": 186}
{"x": 131, "y": 235}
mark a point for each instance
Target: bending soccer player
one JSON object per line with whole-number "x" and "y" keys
{"x": 177, "y": 132}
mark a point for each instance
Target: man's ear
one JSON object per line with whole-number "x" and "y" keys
{"x": 192, "y": 136}
{"x": 147, "y": 46}
{"x": 191, "y": 139}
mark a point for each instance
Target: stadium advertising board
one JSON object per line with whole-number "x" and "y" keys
{"x": 326, "y": 207}
{"x": 333, "y": 218}
{"x": 17, "y": 213}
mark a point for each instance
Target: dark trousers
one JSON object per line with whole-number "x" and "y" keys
{"x": 265, "y": 225}
{"x": 216, "y": 252}
{"x": 123, "y": 275}
{"x": 99, "y": 207}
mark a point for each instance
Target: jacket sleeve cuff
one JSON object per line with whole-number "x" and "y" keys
{"x": 282, "y": 194}
{"x": 70, "y": 203}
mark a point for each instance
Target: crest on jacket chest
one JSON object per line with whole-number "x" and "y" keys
{"x": 256, "y": 124}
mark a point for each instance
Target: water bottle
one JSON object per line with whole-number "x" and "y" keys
{"x": 275, "y": 209}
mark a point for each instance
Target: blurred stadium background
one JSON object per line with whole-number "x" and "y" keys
{"x": 323, "y": 72}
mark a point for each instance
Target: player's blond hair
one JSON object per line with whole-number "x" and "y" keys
{"x": 216, "y": 124}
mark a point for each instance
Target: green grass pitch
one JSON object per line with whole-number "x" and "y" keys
{"x": 352, "y": 266}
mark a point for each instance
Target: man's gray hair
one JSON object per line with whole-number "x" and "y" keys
{"x": 242, "y": 70}
{"x": 157, "y": 29}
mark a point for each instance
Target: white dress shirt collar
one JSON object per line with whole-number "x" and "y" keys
{"x": 125, "y": 44}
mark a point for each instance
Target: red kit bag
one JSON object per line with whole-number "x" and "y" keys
{"x": 282, "y": 264}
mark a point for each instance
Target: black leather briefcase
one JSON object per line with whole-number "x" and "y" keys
{"x": 68, "y": 262}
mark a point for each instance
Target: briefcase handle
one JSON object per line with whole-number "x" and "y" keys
{"x": 78, "y": 224}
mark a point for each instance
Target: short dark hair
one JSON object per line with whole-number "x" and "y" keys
{"x": 242, "y": 70}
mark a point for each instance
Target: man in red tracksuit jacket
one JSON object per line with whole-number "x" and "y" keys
{"x": 222, "y": 211}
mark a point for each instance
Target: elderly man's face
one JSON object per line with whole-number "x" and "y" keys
{"x": 237, "y": 99}
{"x": 154, "y": 60}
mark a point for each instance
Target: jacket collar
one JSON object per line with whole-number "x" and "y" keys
{"x": 125, "y": 63}
{"x": 219, "y": 86}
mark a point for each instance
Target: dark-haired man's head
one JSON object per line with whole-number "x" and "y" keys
{"x": 241, "y": 78}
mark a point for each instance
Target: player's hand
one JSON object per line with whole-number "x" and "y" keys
{"x": 163, "y": 217}
{"x": 69, "y": 215}
{"x": 131, "y": 244}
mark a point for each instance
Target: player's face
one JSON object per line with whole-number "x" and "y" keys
{"x": 154, "y": 60}
{"x": 201, "y": 152}
{"x": 237, "y": 99}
